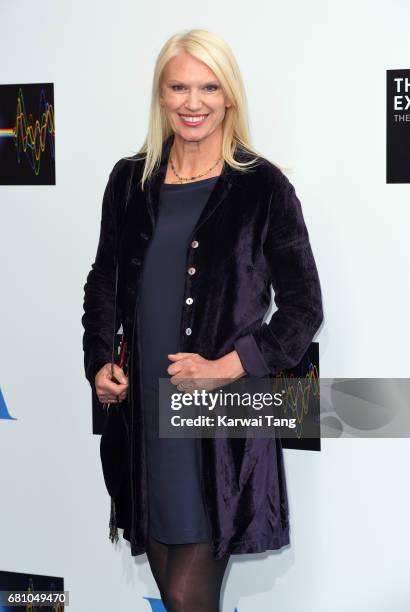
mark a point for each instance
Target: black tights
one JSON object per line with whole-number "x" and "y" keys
{"x": 188, "y": 577}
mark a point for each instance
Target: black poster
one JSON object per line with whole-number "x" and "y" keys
{"x": 32, "y": 593}
{"x": 398, "y": 126}
{"x": 27, "y": 134}
{"x": 307, "y": 369}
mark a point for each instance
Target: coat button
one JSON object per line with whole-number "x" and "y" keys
{"x": 194, "y": 244}
{"x": 188, "y": 331}
{"x": 145, "y": 236}
{"x": 189, "y": 300}
{"x": 135, "y": 261}
{"x": 191, "y": 271}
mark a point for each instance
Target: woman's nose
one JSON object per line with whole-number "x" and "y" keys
{"x": 193, "y": 101}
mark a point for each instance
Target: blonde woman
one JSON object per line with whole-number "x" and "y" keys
{"x": 208, "y": 227}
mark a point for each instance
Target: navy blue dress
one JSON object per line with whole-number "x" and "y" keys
{"x": 175, "y": 504}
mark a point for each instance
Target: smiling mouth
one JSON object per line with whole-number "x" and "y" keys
{"x": 193, "y": 120}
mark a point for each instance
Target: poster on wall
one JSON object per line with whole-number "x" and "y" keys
{"x": 27, "y": 134}
{"x": 398, "y": 126}
{"x": 32, "y": 592}
{"x": 305, "y": 411}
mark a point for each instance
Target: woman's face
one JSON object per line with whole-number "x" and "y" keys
{"x": 190, "y": 88}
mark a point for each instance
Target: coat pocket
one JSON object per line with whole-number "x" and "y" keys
{"x": 114, "y": 450}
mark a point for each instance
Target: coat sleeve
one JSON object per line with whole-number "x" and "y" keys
{"x": 282, "y": 342}
{"x": 99, "y": 291}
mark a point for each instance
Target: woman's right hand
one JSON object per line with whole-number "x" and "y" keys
{"x": 108, "y": 391}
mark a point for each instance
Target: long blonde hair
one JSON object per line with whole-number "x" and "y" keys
{"x": 213, "y": 51}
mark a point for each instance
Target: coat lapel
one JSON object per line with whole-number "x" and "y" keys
{"x": 218, "y": 194}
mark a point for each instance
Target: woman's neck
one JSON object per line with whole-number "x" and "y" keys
{"x": 194, "y": 158}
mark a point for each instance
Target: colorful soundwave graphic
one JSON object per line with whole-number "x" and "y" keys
{"x": 301, "y": 395}
{"x": 301, "y": 386}
{"x": 27, "y": 137}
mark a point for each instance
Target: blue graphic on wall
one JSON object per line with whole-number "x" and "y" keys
{"x": 4, "y": 413}
{"x": 158, "y": 606}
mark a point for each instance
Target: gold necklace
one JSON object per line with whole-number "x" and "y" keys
{"x": 182, "y": 179}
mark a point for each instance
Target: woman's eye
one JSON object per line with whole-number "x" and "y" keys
{"x": 208, "y": 88}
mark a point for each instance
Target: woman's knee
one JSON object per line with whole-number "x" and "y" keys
{"x": 177, "y": 600}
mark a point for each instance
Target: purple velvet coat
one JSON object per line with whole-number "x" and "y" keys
{"x": 251, "y": 234}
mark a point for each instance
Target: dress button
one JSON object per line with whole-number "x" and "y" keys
{"x": 189, "y": 300}
{"x": 188, "y": 331}
{"x": 191, "y": 271}
{"x": 194, "y": 244}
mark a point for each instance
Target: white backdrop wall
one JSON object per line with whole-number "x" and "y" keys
{"x": 315, "y": 80}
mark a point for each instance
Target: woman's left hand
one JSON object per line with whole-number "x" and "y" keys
{"x": 190, "y": 371}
